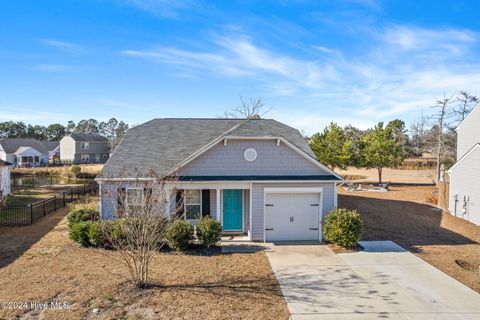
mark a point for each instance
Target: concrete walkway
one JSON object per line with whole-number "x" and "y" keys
{"x": 382, "y": 282}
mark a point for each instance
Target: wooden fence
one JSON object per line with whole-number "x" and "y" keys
{"x": 23, "y": 214}
{"x": 443, "y": 194}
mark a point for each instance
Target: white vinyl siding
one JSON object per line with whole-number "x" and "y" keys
{"x": 465, "y": 184}
{"x": 468, "y": 133}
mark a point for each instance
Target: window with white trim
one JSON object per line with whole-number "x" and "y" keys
{"x": 85, "y": 157}
{"x": 84, "y": 145}
{"x": 193, "y": 204}
{"x": 134, "y": 199}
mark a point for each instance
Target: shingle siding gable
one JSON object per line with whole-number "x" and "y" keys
{"x": 272, "y": 159}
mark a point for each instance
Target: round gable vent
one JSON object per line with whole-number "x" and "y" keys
{"x": 250, "y": 154}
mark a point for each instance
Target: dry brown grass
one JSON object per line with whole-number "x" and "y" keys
{"x": 40, "y": 263}
{"x": 27, "y": 195}
{"x": 393, "y": 175}
{"x": 61, "y": 170}
{"x": 444, "y": 241}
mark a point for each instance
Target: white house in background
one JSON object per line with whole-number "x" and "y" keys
{"x": 464, "y": 195}
{"x": 23, "y": 152}
{"x": 4, "y": 180}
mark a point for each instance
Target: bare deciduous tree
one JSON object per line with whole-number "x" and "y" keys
{"x": 418, "y": 136}
{"x": 443, "y": 113}
{"x": 251, "y": 109}
{"x": 465, "y": 104}
{"x": 143, "y": 212}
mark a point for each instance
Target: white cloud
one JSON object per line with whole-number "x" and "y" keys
{"x": 60, "y": 68}
{"x": 62, "y": 45}
{"x": 403, "y": 71}
{"x": 162, "y": 8}
{"x": 311, "y": 123}
{"x": 415, "y": 38}
{"x": 238, "y": 56}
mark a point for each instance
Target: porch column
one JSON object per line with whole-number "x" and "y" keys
{"x": 219, "y": 215}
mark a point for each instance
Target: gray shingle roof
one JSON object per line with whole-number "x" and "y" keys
{"x": 88, "y": 137}
{"x": 161, "y": 144}
{"x": 10, "y": 145}
{"x": 51, "y": 145}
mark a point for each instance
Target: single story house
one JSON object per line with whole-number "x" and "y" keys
{"x": 464, "y": 194}
{"x": 23, "y": 152}
{"x": 258, "y": 178}
{"x": 84, "y": 148}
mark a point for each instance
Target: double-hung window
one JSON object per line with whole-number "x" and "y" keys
{"x": 85, "y": 157}
{"x": 84, "y": 145}
{"x": 134, "y": 200}
{"x": 193, "y": 205}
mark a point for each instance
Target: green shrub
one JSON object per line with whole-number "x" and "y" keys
{"x": 209, "y": 231}
{"x": 76, "y": 170}
{"x": 79, "y": 232}
{"x": 96, "y": 234}
{"x": 10, "y": 199}
{"x": 178, "y": 234}
{"x": 83, "y": 212}
{"x": 343, "y": 227}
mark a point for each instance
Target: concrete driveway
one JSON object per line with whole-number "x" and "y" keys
{"x": 382, "y": 282}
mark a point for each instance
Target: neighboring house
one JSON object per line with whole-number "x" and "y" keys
{"x": 4, "y": 180}
{"x": 23, "y": 152}
{"x": 53, "y": 148}
{"x": 464, "y": 195}
{"x": 256, "y": 177}
{"x": 84, "y": 148}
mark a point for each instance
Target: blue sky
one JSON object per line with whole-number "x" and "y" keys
{"x": 355, "y": 61}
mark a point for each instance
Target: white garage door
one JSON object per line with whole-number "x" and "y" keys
{"x": 292, "y": 216}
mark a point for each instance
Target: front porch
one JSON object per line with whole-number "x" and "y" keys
{"x": 230, "y": 205}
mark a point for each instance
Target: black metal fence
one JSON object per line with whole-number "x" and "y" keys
{"x": 23, "y": 214}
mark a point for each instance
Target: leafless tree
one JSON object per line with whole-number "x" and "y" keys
{"x": 251, "y": 109}
{"x": 418, "y": 136}
{"x": 143, "y": 212}
{"x": 442, "y": 114}
{"x": 465, "y": 103}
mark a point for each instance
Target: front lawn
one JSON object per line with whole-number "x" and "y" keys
{"x": 40, "y": 263}
{"x": 28, "y": 195}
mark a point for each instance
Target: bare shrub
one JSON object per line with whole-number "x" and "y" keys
{"x": 143, "y": 213}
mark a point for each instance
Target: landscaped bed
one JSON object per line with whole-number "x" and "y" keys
{"x": 450, "y": 244}
{"x": 40, "y": 263}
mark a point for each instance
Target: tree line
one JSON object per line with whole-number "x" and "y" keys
{"x": 388, "y": 145}
{"x": 112, "y": 129}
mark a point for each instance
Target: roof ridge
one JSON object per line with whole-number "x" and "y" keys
{"x": 208, "y": 118}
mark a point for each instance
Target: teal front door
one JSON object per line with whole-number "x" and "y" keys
{"x": 232, "y": 210}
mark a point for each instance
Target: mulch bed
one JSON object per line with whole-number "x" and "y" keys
{"x": 340, "y": 249}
